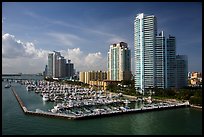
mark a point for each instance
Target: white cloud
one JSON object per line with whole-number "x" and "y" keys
{"x": 85, "y": 62}
{"x": 74, "y": 54}
{"x": 18, "y": 56}
{"x": 11, "y": 47}
{"x": 92, "y": 58}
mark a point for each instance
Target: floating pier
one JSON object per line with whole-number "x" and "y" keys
{"x": 84, "y": 116}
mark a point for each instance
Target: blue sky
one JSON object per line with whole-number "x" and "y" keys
{"x": 83, "y": 31}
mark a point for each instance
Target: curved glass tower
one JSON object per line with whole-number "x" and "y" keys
{"x": 145, "y": 31}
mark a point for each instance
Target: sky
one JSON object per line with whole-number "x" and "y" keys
{"x": 84, "y": 31}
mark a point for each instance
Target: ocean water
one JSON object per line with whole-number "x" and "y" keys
{"x": 180, "y": 121}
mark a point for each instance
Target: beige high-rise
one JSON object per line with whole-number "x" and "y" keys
{"x": 119, "y": 62}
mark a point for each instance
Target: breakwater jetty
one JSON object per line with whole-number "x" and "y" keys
{"x": 98, "y": 112}
{"x": 25, "y": 110}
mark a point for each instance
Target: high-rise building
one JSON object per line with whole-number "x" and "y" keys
{"x": 88, "y": 76}
{"x": 171, "y": 62}
{"x": 50, "y": 65}
{"x": 181, "y": 71}
{"x": 45, "y": 72}
{"x": 57, "y": 66}
{"x": 62, "y": 67}
{"x": 145, "y": 31}
{"x": 69, "y": 69}
{"x": 119, "y": 62}
{"x": 160, "y": 61}
{"x": 56, "y": 56}
{"x": 155, "y": 56}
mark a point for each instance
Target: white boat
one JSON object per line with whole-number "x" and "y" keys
{"x": 7, "y": 86}
{"x": 126, "y": 101}
{"x": 149, "y": 99}
{"x": 45, "y": 97}
{"x": 58, "y": 106}
{"x": 54, "y": 110}
{"x": 28, "y": 88}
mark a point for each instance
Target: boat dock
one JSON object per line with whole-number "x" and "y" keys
{"x": 138, "y": 110}
{"x": 43, "y": 113}
{"x": 98, "y": 113}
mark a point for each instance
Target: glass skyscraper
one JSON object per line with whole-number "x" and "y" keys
{"x": 171, "y": 62}
{"x": 145, "y": 31}
{"x": 155, "y": 56}
{"x": 181, "y": 71}
{"x": 160, "y": 61}
{"x": 62, "y": 67}
{"x": 69, "y": 69}
{"x": 56, "y": 56}
{"x": 57, "y": 66}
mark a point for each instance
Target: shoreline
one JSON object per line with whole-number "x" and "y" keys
{"x": 197, "y": 107}
{"x": 162, "y": 100}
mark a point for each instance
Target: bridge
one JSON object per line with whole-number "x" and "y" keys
{"x": 11, "y": 75}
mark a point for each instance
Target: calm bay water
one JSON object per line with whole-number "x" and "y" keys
{"x": 181, "y": 121}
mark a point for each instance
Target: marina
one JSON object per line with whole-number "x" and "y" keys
{"x": 78, "y": 107}
{"x": 141, "y": 122}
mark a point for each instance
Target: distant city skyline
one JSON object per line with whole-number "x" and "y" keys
{"x": 84, "y": 31}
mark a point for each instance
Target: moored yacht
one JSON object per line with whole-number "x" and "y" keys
{"x": 54, "y": 110}
{"x": 45, "y": 97}
{"x": 149, "y": 99}
{"x": 126, "y": 101}
{"x": 7, "y": 86}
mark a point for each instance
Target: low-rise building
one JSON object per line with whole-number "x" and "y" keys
{"x": 86, "y": 77}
